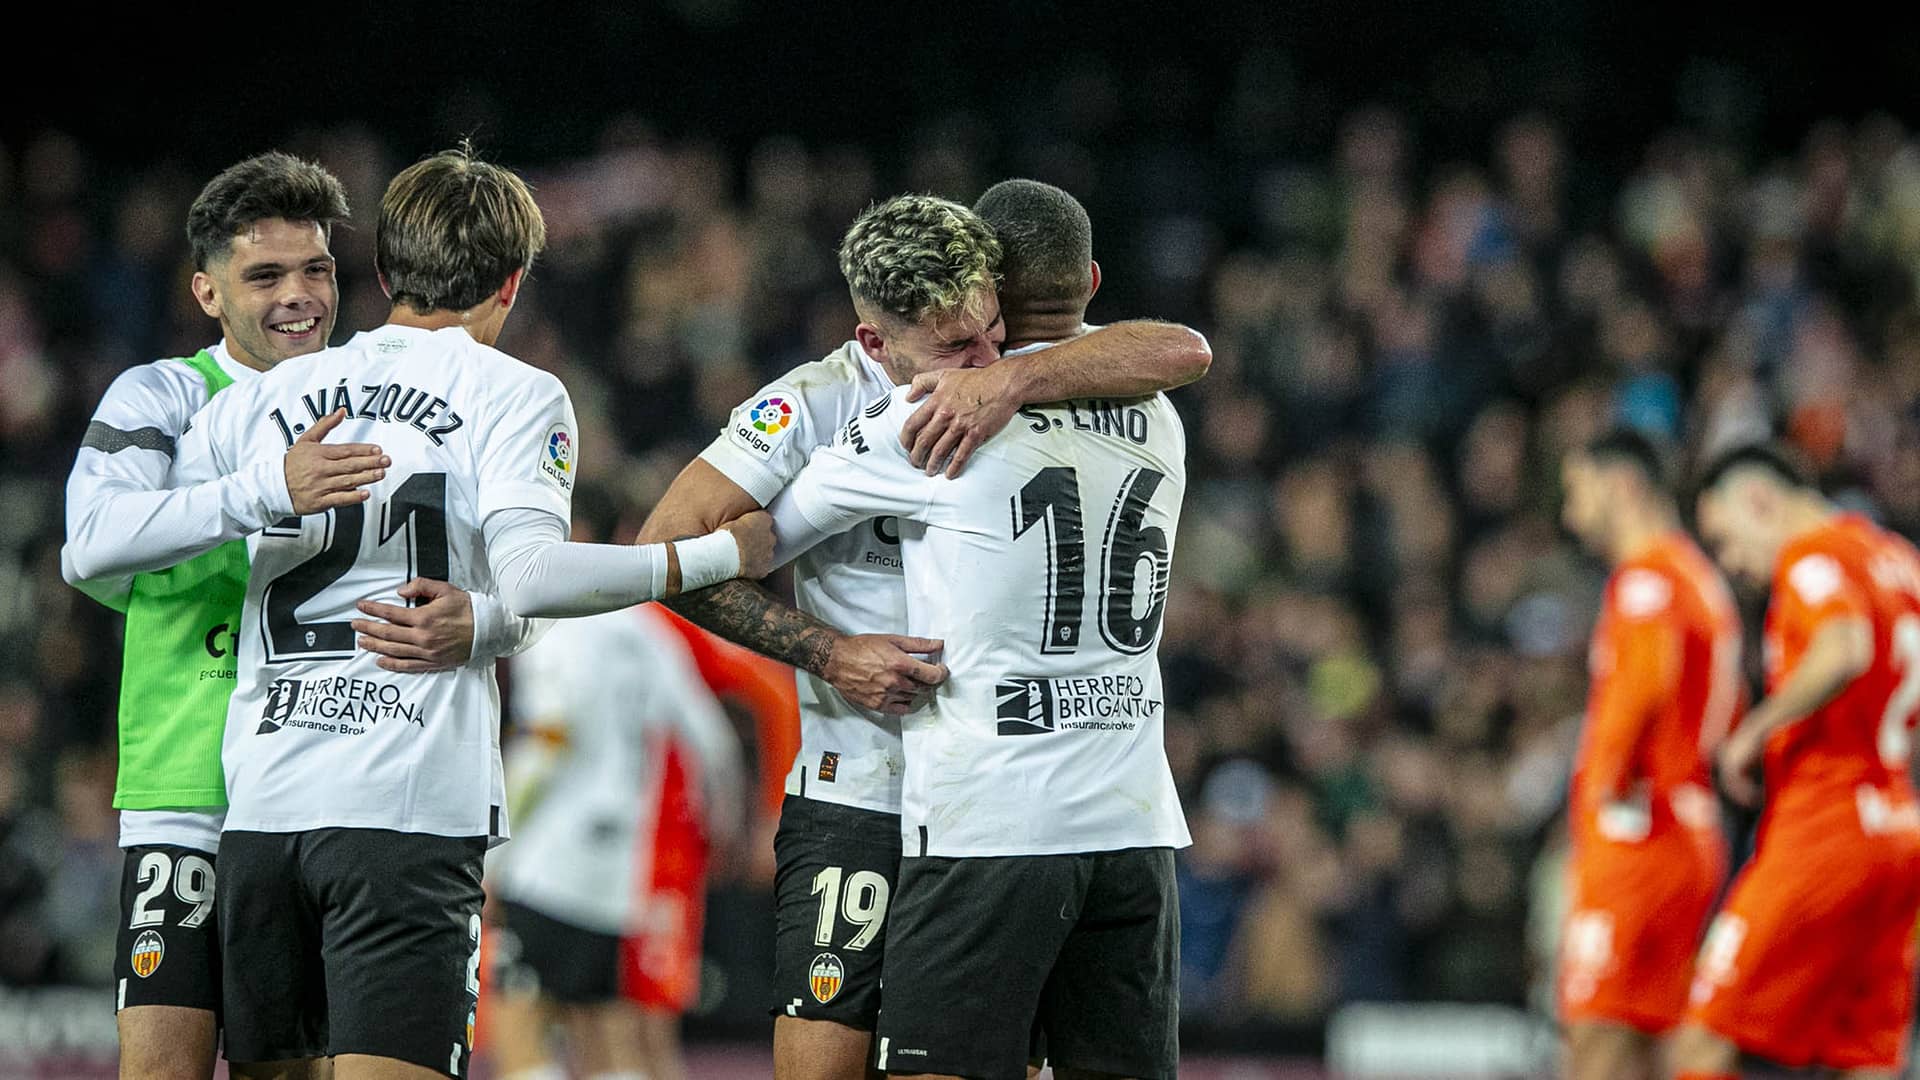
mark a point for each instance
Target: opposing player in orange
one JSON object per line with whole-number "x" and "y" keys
{"x": 1648, "y": 854}
{"x": 1811, "y": 959}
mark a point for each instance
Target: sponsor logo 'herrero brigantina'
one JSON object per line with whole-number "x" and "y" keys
{"x": 336, "y": 706}
{"x": 1037, "y": 705}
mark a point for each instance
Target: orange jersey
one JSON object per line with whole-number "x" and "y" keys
{"x": 1846, "y": 568}
{"x": 1665, "y": 667}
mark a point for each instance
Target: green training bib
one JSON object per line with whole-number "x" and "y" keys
{"x": 183, "y": 637}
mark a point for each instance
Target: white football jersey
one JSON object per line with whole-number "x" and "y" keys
{"x": 129, "y": 446}
{"x": 596, "y": 700}
{"x": 1044, "y": 567}
{"x": 318, "y": 735}
{"x": 853, "y": 581}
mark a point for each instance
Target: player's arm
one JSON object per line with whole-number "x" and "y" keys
{"x": 526, "y": 502}
{"x": 965, "y": 407}
{"x": 866, "y": 669}
{"x": 1646, "y": 653}
{"x": 116, "y": 526}
{"x": 863, "y": 474}
{"x": 1815, "y": 592}
{"x": 447, "y": 627}
{"x": 700, "y": 499}
{"x": 1839, "y": 651}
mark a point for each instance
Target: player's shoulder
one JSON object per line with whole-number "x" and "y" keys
{"x": 169, "y": 384}
{"x": 876, "y": 423}
{"x": 824, "y": 390}
{"x": 506, "y": 375}
{"x": 1817, "y": 564}
{"x": 1146, "y": 429}
{"x": 1647, "y": 587}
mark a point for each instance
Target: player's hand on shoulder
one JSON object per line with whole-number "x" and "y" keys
{"x": 960, "y": 408}
{"x": 322, "y": 475}
{"x": 889, "y": 673}
{"x": 435, "y": 636}
{"x": 753, "y": 535}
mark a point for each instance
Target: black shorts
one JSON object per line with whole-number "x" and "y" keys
{"x": 1083, "y": 950}
{"x": 351, "y": 941}
{"x": 835, "y": 870}
{"x": 169, "y": 940}
{"x": 538, "y": 954}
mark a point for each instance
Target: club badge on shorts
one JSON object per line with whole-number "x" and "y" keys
{"x": 148, "y": 951}
{"x": 825, "y": 976}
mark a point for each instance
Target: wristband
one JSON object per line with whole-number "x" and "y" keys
{"x": 707, "y": 560}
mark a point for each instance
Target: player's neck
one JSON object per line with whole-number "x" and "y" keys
{"x": 1809, "y": 513}
{"x": 241, "y": 356}
{"x": 1639, "y": 530}
{"x": 480, "y": 321}
{"x": 1033, "y": 329}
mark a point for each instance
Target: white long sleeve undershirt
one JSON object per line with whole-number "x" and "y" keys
{"x": 540, "y": 574}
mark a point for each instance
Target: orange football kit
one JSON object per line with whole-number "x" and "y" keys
{"x": 1648, "y": 856}
{"x": 1811, "y": 960}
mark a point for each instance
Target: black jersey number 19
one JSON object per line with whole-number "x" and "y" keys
{"x": 1051, "y": 500}
{"x": 418, "y": 507}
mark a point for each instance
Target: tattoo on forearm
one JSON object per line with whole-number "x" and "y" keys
{"x": 747, "y": 614}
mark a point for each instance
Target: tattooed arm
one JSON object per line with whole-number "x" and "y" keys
{"x": 873, "y": 671}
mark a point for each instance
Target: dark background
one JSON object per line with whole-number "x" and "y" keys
{"x": 1432, "y": 245}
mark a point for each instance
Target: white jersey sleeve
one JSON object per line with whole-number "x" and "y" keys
{"x": 122, "y": 520}
{"x": 526, "y": 467}
{"x": 530, "y": 458}
{"x": 767, "y": 438}
{"x": 499, "y": 633}
{"x": 864, "y": 473}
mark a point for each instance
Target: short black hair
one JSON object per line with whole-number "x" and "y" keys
{"x": 1046, "y": 240}
{"x": 1638, "y": 451}
{"x": 1775, "y": 460}
{"x": 269, "y": 185}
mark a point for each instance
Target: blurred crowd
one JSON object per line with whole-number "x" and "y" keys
{"x": 1375, "y": 644}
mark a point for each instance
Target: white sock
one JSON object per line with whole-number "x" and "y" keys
{"x": 538, "y": 1072}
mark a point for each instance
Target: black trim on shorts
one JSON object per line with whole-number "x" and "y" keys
{"x": 167, "y": 947}
{"x": 351, "y": 941}
{"x": 835, "y": 980}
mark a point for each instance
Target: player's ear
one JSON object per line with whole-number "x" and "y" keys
{"x": 511, "y": 288}
{"x": 1095, "y": 267}
{"x": 385, "y": 289}
{"x": 871, "y": 340}
{"x": 205, "y": 294}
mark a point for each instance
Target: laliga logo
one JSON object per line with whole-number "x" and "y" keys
{"x": 771, "y": 416}
{"x": 557, "y": 462}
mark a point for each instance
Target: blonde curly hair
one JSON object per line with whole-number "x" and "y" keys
{"x": 916, "y": 256}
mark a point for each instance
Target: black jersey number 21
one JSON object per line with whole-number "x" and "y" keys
{"x": 1051, "y": 500}
{"x": 418, "y": 508}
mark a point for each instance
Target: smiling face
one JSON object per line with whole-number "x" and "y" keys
{"x": 273, "y": 291}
